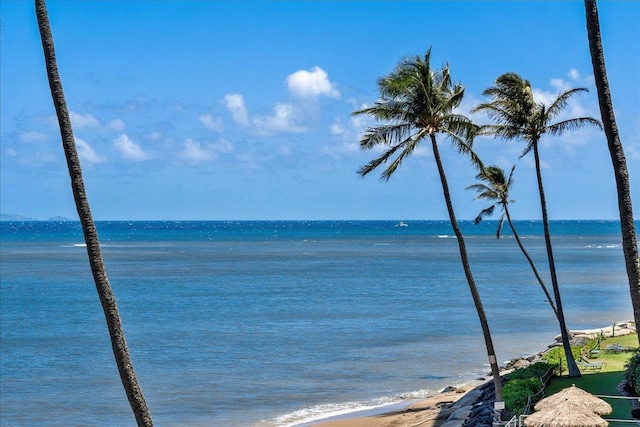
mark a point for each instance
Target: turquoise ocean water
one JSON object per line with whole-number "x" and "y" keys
{"x": 276, "y": 323}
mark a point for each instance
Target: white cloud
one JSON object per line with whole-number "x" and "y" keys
{"x": 283, "y": 120}
{"x": 155, "y": 135}
{"x": 339, "y": 150}
{"x": 129, "y": 149}
{"x": 223, "y": 146}
{"x": 574, "y": 74}
{"x": 235, "y": 105}
{"x": 80, "y": 121}
{"x": 214, "y": 124}
{"x": 311, "y": 83}
{"x": 87, "y": 153}
{"x": 33, "y": 136}
{"x": 192, "y": 151}
{"x": 560, "y": 85}
{"x": 337, "y": 128}
{"x": 117, "y": 125}
{"x": 543, "y": 96}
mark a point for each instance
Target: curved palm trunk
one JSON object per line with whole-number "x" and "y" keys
{"x": 107, "y": 299}
{"x": 493, "y": 362}
{"x": 573, "y": 368}
{"x": 531, "y": 263}
{"x": 629, "y": 239}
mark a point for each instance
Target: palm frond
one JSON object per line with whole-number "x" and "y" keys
{"x": 494, "y": 175}
{"x": 510, "y": 179}
{"x": 460, "y": 125}
{"x": 463, "y": 148}
{"x": 409, "y": 147}
{"x": 484, "y": 213}
{"x": 561, "y": 101}
{"x": 511, "y": 105}
{"x": 571, "y": 124}
{"x": 528, "y": 148}
{"x": 385, "y": 135}
{"x": 415, "y": 101}
{"x": 493, "y": 186}
{"x": 499, "y": 228}
{"x": 389, "y": 110}
{"x": 373, "y": 164}
{"x": 478, "y": 188}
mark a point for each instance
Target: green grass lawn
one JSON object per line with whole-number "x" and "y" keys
{"x": 606, "y": 381}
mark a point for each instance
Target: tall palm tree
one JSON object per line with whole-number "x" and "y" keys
{"x": 629, "y": 239}
{"x": 517, "y": 115}
{"x": 494, "y": 187}
{"x": 107, "y": 299}
{"x": 416, "y": 104}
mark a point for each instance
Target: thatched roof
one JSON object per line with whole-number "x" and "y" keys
{"x": 576, "y": 396}
{"x": 566, "y": 414}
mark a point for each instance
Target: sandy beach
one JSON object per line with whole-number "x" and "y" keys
{"x": 431, "y": 412}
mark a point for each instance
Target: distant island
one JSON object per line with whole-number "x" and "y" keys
{"x": 15, "y": 217}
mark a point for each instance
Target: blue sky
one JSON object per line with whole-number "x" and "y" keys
{"x": 242, "y": 109}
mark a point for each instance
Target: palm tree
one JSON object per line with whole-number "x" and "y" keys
{"x": 517, "y": 115}
{"x": 629, "y": 240}
{"x": 416, "y": 104}
{"x": 493, "y": 186}
{"x": 107, "y": 299}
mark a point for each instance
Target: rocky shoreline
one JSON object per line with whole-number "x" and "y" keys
{"x": 462, "y": 407}
{"x": 481, "y": 410}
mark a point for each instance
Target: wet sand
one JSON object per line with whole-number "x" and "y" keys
{"x": 430, "y": 412}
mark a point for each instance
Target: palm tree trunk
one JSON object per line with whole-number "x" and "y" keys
{"x": 533, "y": 266}
{"x": 493, "y": 361}
{"x": 629, "y": 239}
{"x": 571, "y": 363}
{"x": 107, "y": 299}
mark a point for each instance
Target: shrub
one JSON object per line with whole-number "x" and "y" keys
{"x": 556, "y": 356}
{"x": 515, "y": 393}
{"x": 632, "y": 372}
{"x": 536, "y": 370}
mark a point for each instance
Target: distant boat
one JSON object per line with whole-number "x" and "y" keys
{"x": 402, "y": 224}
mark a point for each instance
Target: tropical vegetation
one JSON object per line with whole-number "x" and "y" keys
{"x": 632, "y": 373}
{"x": 417, "y": 104}
{"x": 517, "y": 115}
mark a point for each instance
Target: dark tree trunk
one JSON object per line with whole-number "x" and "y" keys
{"x": 629, "y": 239}
{"x": 573, "y": 368}
{"x": 493, "y": 361}
{"x": 107, "y": 299}
{"x": 533, "y": 266}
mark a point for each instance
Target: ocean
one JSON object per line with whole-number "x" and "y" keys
{"x": 279, "y": 323}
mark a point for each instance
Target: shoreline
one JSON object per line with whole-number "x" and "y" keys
{"x": 418, "y": 405}
{"x": 436, "y": 410}
{"x": 432, "y": 411}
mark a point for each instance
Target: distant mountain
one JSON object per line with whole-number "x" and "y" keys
{"x": 14, "y": 217}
